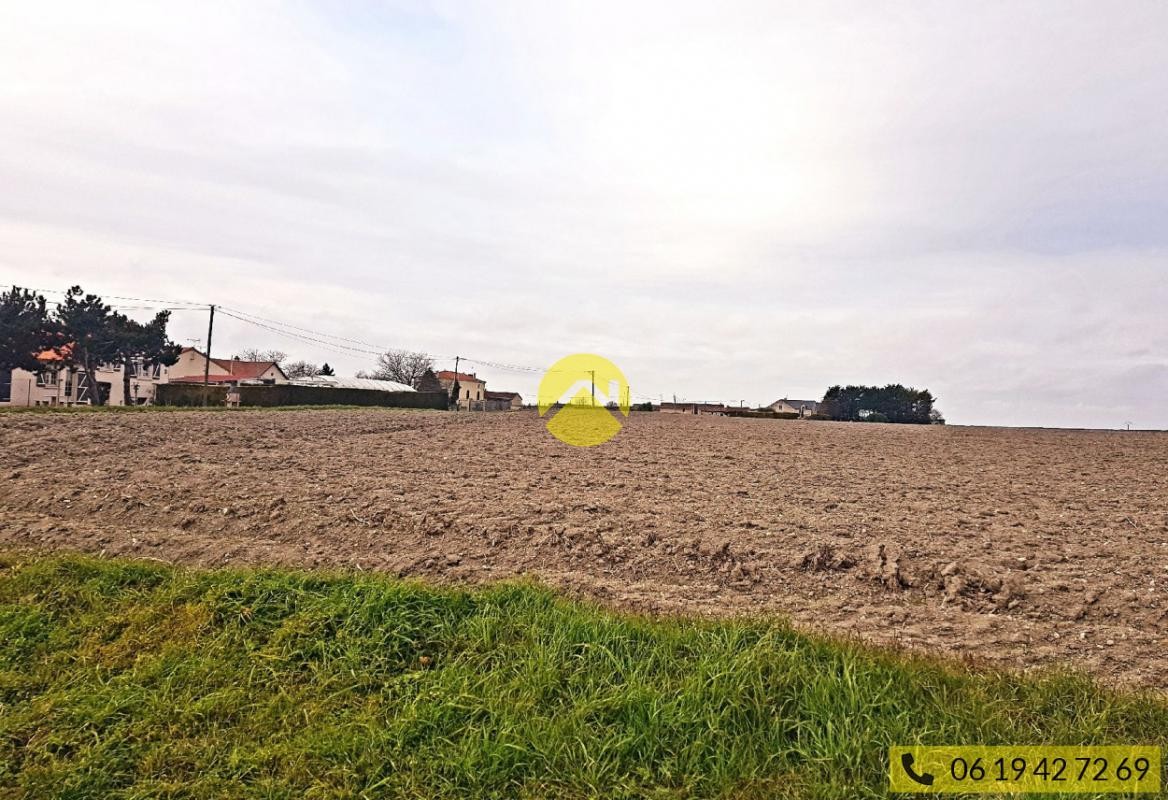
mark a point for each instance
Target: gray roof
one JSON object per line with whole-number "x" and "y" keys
{"x": 338, "y": 382}
{"x": 797, "y": 403}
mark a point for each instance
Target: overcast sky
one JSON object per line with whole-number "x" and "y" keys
{"x": 731, "y": 201}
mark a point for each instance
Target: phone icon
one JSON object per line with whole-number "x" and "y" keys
{"x": 924, "y": 779}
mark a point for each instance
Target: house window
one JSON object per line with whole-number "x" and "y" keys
{"x": 5, "y": 386}
{"x": 47, "y": 377}
{"x": 68, "y": 382}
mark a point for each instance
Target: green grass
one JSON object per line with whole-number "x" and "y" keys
{"x": 124, "y": 679}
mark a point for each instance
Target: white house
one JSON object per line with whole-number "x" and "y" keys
{"x": 58, "y": 384}
{"x": 803, "y": 408}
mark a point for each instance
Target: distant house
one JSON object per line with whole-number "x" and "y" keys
{"x": 192, "y": 365}
{"x": 700, "y": 409}
{"x": 504, "y": 401}
{"x": 56, "y": 383}
{"x": 804, "y": 408}
{"x": 471, "y": 389}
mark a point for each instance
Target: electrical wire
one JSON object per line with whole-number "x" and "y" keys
{"x": 184, "y": 303}
{"x": 340, "y": 345}
{"x": 337, "y": 348}
{"x": 297, "y": 328}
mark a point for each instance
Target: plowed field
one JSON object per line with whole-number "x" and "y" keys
{"x": 1018, "y": 548}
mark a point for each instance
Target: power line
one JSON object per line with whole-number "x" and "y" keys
{"x": 185, "y": 303}
{"x": 380, "y": 348}
{"x": 338, "y": 348}
{"x": 497, "y": 365}
{"x": 297, "y": 333}
{"x": 159, "y": 308}
{"x": 297, "y": 328}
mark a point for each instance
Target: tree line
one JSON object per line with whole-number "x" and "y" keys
{"x": 84, "y": 333}
{"x": 891, "y": 403}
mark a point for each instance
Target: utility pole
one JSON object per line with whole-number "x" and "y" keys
{"x": 207, "y": 363}
{"x": 454, "y": 386}
{"x": 593, "y": 386}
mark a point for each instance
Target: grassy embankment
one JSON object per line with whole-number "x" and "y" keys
{"x": 121, "y": 679}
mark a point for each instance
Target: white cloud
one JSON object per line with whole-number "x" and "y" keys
{"x": 732, "y": 201}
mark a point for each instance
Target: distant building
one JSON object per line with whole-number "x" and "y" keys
{"x": 504, "y": 401}
{"x": 471, "y": 388}
{"x": 708, "y": 409}
{"x": 192, "y": 365}
{"x": 804, "y": 408}
{"x": 338, "y": 382}
{"x": 472, "y": 392}
{"x": 56, "y": 383}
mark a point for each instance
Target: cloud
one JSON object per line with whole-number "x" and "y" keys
{"x": 745, "y": 201}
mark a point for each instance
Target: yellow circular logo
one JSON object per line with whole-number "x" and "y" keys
{"x": 583, "y": 390}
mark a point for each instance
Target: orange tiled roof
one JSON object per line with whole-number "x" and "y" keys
{"x": 239, "y": 370}
{"x": 55, "y": 353}
{"x": 449, "y": 375}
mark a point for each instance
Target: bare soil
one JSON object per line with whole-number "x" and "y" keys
{"x": 1017, "y": 548}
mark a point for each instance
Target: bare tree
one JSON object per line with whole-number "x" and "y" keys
{"x": 252, "y": 354}
{"x": 302, "y": 369}
{"x": 403, "y": 366}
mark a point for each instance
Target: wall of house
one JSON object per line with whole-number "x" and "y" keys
{"x": 142, "y": 387}
{"x": 469, "y": 392}
{"x": 787, "y": 408}
{"x": 192, "y": 363}
{"x": 59, "y": 387}
{"x": 272, "y": 374}
{"x": 24, "y": 390}
{"x": 42, "y": 388}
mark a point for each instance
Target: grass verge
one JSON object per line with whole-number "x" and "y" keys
{"x": 124, "y": 679}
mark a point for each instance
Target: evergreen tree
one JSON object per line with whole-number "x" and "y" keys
{"x": 89, "y": 330}
{"x": 26, "y": 329}
{"x": 143, "y": 345}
